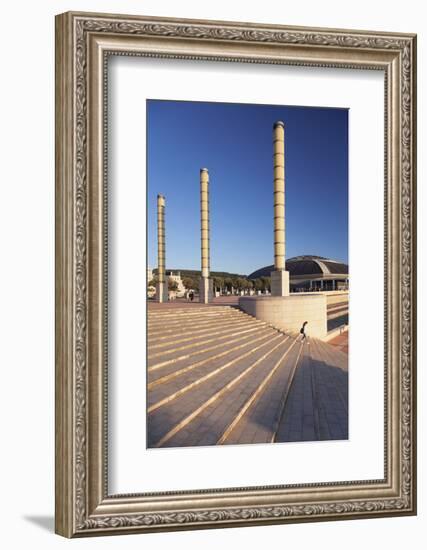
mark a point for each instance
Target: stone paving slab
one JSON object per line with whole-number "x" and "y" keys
{"x": 340, "y": 342}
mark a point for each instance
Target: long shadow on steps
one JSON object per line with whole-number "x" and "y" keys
{"x": 317, "y": 405}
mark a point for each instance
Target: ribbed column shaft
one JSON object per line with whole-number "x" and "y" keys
{"x": 161, "y": 252}
{"x": 279, "y": 194}
{"x": 204, "y": 221}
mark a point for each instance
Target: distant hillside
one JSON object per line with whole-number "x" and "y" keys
{"x": 192, "y": 273}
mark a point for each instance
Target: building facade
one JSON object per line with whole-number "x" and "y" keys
{"x": 176, "y": 277}
{"x": 311, "y": 274}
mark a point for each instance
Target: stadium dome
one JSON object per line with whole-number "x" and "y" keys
{"x": 311, "y": 273}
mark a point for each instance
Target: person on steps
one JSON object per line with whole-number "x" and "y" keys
{"x": 302, "y": 331}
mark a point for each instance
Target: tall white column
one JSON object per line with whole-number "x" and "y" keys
{"x": 162, "y": 293}
{"x": 205, "y": 285}
{"x": 279, "y": 277}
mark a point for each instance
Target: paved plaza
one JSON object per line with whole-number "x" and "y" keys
{"x": 219, "y": 376}
{"x": 341, "y": 342}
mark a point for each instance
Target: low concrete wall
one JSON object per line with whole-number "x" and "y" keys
{"x": 336, "y": 332}
{"x": 332, "y": 296}
{"x": 288, "y": 313}
{"x": 336, "y": 297}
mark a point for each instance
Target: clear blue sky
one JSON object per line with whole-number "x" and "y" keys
{"x": 234, "y": 141}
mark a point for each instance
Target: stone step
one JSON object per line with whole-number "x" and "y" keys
{"x": 337, "y": 363}
{"x": 337, "y": 313}
{"x": 172, "y": 420}
{"x": 338, "y": 304}
{"x": 185, "y": 330}
{"x": 299, "y": 420}
{"x": 337, "y": 323}
{"x": 163, "y": 329}
{"x": 179, "y": 356}
{"x": 185, "y": 306}
{"x": 334, "y": 307}
{"x": 316, "y": 408}
{"x": 192, "y": 346}
{"x": 193, "y": 321}
{"x": 165, "y": 342}
{"x": 190, "y": 313}
{"x": 228, "y": 352}
{"x": 336, "y": 357}
{"x": 185, "y": 381}
{"x": 332, "y": 404}
{"x": 258, "y": 417}
{"x": 220, "y": 376}
{"x": 166, "y": 335}
{"x": 262, "y": 412}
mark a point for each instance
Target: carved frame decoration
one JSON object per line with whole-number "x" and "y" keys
{"x": 83, "y": 43}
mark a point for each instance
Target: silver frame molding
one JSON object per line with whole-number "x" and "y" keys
{"x": 83, "y": 43}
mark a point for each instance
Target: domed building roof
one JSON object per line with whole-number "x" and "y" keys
{"x": 306, "y": 266}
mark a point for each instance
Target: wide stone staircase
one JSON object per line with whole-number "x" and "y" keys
{"x": 216, "y": 375}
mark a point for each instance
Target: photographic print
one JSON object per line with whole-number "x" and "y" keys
{"x": 229, "y": 196}
{"x": 247, "y": 274}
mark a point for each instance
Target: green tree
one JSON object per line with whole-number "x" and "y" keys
{"x": 266, "y": 283}
{"x": 234, "y": 283}
{"x": 258, "y": 284}
{"x": 172, "y": 285}
{"x": 240, "y": 283}
{"x": 218, "y": 283}
{"x": 228, "y": 283}
{"x": 188, "y": 282}
{"x": 153, "y": 281}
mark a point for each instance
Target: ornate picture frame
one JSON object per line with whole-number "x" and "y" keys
{"x": 84, "y": 41}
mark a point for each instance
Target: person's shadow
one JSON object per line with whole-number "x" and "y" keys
{"x": 44, "y": 522}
